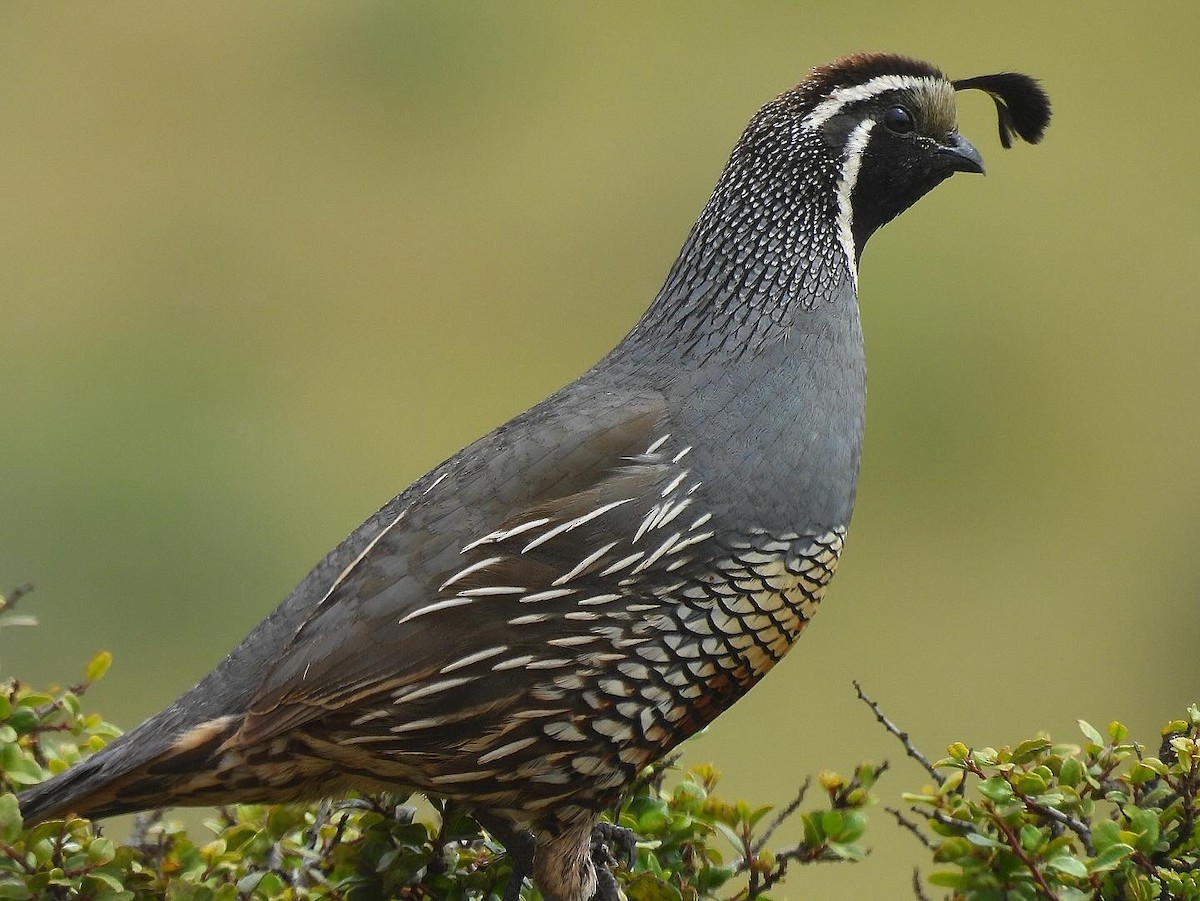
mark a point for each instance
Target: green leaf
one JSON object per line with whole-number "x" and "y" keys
{"x": 689, "y": 796}
{"x": 758, "y": 814}
{"x": 23, "y": 720}
{"x": 1031, "y": 783}
{"x": 1031, "y": 837}
{"x": 733, "y": 837}
{"x": 844, "y": 851}
{"x": 832, "y": 823}
{"x": 1109, "y": 857}
{"x": 110, "y": 882}
{"x": 814, "y": 836}
{"x": 853, "y": 827}
{"x": 948, "y": 879}
{"x": 101, "y": 851}
{"x": 1027, "y": 750}
{"x": 70, "y": 702}
{"x": 648, "y": 887}
{"x": 713, "y": 877}
{"x": 19, "y": 769}
{"x": 983, "y": 841}
{"x": 1072, "y": 866}
{"x": 1090, "y": 733}
{"x": 1145, "y": 824}
{"x": 653, "y": 819}
{"x": 952, "y": 782}
{"x": 1071, "y": 772}
{"x": 996, "y": 789}
{"x": 10, "y": 817}
{"x": 1139, "y": 773}
{"x": 98, "y": 666}
{"x": 12, "y": 890}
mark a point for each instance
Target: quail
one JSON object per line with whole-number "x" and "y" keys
{"x": 537, "y": 619}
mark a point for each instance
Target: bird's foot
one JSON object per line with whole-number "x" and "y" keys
{"x": 604, "y": 835}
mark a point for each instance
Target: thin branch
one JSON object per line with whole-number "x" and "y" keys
{"x": 1075, "y": 825}
{"x": 909, "y": 748}
{"x": 781, "y": 817}
{"x": 911, "y": 827}
{"x": 1014, "y": 843}
{"x": 139, "y": 837}
{"x": 653, "y": 775}
{"x": 9, "y": 601}
{"x": 947, "y": 820}
{"x": 800, "y": 854}
{"x": 21, "y": 860}
{"x": 1078, "y": 826}
{"x": 918, "y": 892}
{"x": 312, "y": 836}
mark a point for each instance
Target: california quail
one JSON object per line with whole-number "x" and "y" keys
{"x": 531, "y": 623}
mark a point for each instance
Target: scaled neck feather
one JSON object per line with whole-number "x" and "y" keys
{"x": 766, "y": 249}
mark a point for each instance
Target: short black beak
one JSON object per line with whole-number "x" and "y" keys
{"x": 961, "y": 155}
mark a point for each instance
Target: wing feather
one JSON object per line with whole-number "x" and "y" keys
{"x": 410, "y": 604}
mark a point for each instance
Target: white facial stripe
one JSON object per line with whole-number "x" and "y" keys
{"x": 842, "y": 97}
{"x": 856, "y": 145}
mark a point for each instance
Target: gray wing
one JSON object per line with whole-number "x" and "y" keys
{"x": 423, "y": 591}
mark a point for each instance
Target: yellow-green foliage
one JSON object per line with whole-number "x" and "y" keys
{"x": 1103, "y": 820}
{"x": 692, "y": 844}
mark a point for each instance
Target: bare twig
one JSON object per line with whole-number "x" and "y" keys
{"x": 1014, "y": 844}
{"x": 1075, "y": 825}
{"x": 909, "y": 748}
{"x": 781, "y": 817}
{"x": 918, "y": 892}
{"x": 21, "y": 860}
{"x": 312, "y": 837}
{"x": 142, "y": 823}
{"x": 653, "y": 775}
{"x": 800, "y": 854}
{"x": 10, "y": 599}
{"x": 912, "y": 827}
{"x": 339, "y": 830}
{"x": 947, "y": 820}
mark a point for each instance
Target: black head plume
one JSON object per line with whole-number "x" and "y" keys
{"x": 1021, "y": 104}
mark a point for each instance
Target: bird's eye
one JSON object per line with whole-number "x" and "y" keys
{"x": 899, "y": 120}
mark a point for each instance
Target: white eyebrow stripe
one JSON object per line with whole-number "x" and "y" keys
{"x": 842, "y": 97}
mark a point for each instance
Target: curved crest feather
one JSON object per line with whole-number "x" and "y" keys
{"x": 1022, "y": 106}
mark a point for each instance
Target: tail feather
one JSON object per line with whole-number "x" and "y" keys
{"x": 124, "y": 778}
{"x": 206, "y": 765}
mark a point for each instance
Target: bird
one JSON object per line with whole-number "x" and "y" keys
{"x": 558, "y": 605}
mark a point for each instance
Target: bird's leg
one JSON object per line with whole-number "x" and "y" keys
{"x": 520, "y": 845}
{"x": 606, "y": 885}
{"x": 602, "y": 857}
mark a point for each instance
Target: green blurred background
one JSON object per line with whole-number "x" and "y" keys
{"x": 264, "y": 264}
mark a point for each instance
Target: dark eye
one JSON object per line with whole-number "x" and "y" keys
{"x": 899, "y": 120}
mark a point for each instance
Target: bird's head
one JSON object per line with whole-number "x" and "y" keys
{"x": 877, "y": 132}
